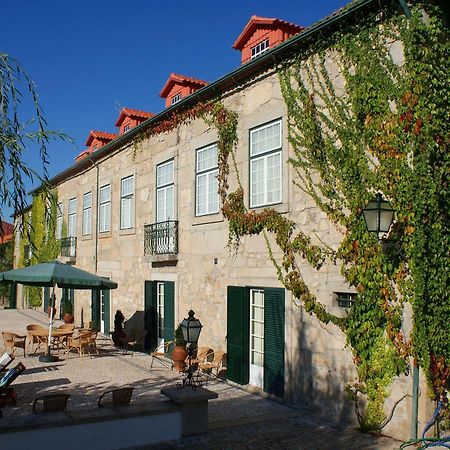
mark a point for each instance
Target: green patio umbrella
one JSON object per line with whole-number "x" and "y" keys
{"x": 55, "y": 273}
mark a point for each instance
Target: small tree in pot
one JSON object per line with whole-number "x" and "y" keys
{"x": 179, "y": 353}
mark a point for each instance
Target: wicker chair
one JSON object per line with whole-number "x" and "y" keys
{"x": 36, "y": 338}
{"x": 216, "y": 364}
{"x": 13, "y": 341}
{"x": 50, "y": 403}
{"x": 160, "y": 353}
{"x": 116, "y": 397}
{"x": 80, "y": 343}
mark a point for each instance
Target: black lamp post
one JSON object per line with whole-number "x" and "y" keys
{"x": 378, "y": 215}
{"x": 191, "y": 328}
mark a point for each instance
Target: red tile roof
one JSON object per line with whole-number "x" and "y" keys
{"x": 135, "y": 113}
{"x": 256, "y": 21}
{"x": 175, "y": 78}
{"x": 102, "y": 135}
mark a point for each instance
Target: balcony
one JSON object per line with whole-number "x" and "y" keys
{"x": 161, "y": 240}
{"x": 68, "y": 247}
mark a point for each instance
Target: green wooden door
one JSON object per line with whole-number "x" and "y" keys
{"x": 13, "y": 295}
{"x": 274, "y": 312}
{"x": 46, "y": 298}
{"x": 150, "y": 316}
{"x": 238, "y": 308}
{"x": 105, "y": 305}
{"x": 169, "y": 311}
{"x": 95, "y": 308}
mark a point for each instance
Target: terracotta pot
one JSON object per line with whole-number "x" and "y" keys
{"x": 178, "y": 357}
{"x": 49, "y": 310}
{"x": 68, "y": 318}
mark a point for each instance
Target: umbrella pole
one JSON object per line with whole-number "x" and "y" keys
{"x": 48, "y": 357}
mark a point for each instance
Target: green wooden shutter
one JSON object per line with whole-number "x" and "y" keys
{"x": 238, "y": 323}
{"x": 169, "y": 311}
{"x": 150, "y": 316}
{"x": 95, "y": 308}
{"x": 46, "y": 298}
{"x": 274, "y": 341}
{"x": 13, "y": 295}
{"x": 106, "y": 311}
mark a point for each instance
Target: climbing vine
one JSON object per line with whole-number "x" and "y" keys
{"x": 39, "y": 235}
{"x": 366, "y": 113}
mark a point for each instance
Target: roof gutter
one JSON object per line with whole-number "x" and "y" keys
{"x": 213, "y": 89}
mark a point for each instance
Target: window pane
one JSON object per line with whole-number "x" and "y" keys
{"x": 207, "y": 158}
{"x": 265, "y": 138}
{"x": 201, "y": 194}
{"x": 127, "y": 186}
{"x": 257, "y": 182}
{"x": 274, "y": 178}
{"x": 105, "y": 194}
{"x": 164, "y": 174}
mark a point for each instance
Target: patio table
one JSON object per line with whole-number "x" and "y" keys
{"x": 59, "y": 337}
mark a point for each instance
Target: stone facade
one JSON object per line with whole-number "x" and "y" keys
{"x": 317, "y": 362}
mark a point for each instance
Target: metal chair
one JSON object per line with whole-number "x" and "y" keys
{"x": 50, "y": 403}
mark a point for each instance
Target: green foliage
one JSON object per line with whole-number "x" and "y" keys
{"x": 6, "y": 263}
{"x": 179, "y": 338}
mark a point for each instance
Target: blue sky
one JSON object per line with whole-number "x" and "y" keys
{"x": 87, "y": 57}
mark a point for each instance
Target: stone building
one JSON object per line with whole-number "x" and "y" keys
{"x": 146, "y": 214}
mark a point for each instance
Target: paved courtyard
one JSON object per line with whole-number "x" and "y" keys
{"x": 237, "y": 420}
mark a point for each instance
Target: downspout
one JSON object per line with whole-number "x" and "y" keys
{"x": 405, "y": 8}
{"x": 415, "y": 400}
{"x": 96, "y": 213}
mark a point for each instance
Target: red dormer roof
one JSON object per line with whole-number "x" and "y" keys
{"x": 100, "y": 135}
{"x": 176, "y": 79}
{"x": 133, "y": 113}
{"x": 256, "y": 22}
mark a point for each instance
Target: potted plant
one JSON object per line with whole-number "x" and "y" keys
{"x": 179, "y": 353}
{"x": 68, "y": 312}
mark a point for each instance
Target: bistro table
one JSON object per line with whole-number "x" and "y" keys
{"x": 58, "y": 338}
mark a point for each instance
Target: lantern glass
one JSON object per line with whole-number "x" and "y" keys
{"x": 191, "y": 328}
{"x": 378, "y": 215}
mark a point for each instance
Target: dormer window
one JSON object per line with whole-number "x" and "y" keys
{"x": 175, "y": 99}
{"x": 94, "y": 147}
{"x": 126, "y": 128}
{"x": 260, "y": 48}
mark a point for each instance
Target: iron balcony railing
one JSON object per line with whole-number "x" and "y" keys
{"x": 161, "y": 238}
{"x": 68, "y": 246}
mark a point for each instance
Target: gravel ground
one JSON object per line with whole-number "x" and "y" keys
{"x": 87, "y": 377}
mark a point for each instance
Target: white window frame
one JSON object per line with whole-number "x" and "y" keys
{"x": 126, "y": 204}
{"x": 260, "y": 48}
{"x": 164, "y": 188}
{"x": 264, "y": 156}
{"x": 72, "y": 218}
{"x": 175, "y": 99}
{"x": 126, "y": 128}
{"x": 104, "y": 213}
{"x": 208, "y": 174}
{"x": 87, "y": 213}
{"x": 59, "y": 220}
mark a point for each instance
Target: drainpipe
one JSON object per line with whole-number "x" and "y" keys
{"x": 405, "y": 8}
{"x": 415, "y": 400}
{"x": 96, "y": 213}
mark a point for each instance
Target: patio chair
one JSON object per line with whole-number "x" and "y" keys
{"x": 36, "y": 338}
{"x": 161, "y": 354}
{"x": 116, "y": 397}
{"x": 218, "y": 360}
{"x": 80, "y": 343}
{"x": 203, "y": 354}
{"x": 133, "y": 343}
{"x": 5, "y": 360}
{"x": 50, "y": 403}
{"x": 13, "y": 341}
{"x": 7, "y": 394}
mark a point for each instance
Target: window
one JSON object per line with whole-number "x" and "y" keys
{"x": 59, "y": 220}
{"x": 126, "y": 128}
{"x": 206, "y": 184}
{"x": 164, "y": 192}
{"x": 160, "y": 309}
{"x": 87, "y": 213}
{"x": 260, "y": 48}
{"x": 105, "y": 208}
{"x": 345, "y": 299}
{"x": 94, "y": 148}
{"x": 72, "y": 226}
{"x": 126, "y": 202}
{"x": 265, "y": 165}
{"x": 175, "y": 99}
